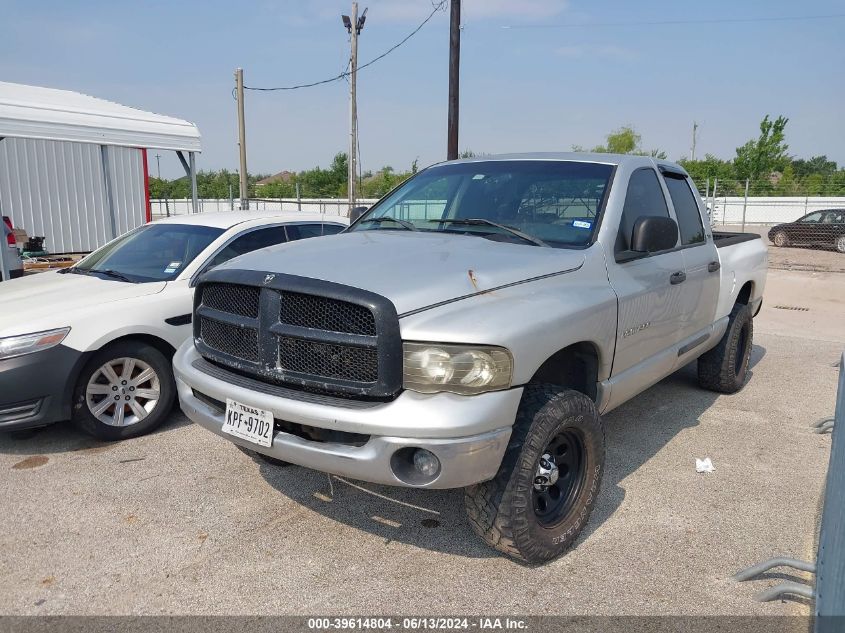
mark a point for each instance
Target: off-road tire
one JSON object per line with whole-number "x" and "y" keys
{"x": 725, "y": 367}
{"x": 501, "y": 510}
{"x": 82, "y": 416}
{"x": 780, "y": 239}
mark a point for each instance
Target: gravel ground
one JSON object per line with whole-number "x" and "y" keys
{"x": 793, "y": 257}
{"x": 181, "y": 522}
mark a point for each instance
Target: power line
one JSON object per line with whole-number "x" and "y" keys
{"x": 346, "y": 73}
{"x": 676, "y": 22}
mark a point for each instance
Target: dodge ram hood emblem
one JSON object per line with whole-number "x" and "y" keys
{"x": 268, "y": 279}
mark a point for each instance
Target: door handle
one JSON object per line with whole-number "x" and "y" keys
{"x": 712, "y": 267}
{"x": 678, "y": 277}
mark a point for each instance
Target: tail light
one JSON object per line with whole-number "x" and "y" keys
{"x": 10, "y": 238}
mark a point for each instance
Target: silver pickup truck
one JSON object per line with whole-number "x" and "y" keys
{"x": 470, "y": 329}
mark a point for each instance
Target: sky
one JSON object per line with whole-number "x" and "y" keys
{"x": 536, "y": 75}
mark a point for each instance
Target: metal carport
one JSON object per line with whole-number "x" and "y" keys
{"x": 74, "y": 167}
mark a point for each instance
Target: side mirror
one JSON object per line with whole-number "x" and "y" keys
{"x": 356, "y": 213}
{"x": 654, "y": 233}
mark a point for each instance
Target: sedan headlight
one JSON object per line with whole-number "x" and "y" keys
{"x": 12, "y": 346}
{"x": 463, "y": 369}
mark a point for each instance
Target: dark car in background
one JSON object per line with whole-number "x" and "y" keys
{"x": 824, "y": 228}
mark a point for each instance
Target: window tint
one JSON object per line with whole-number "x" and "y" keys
{"x": 686, "y": 208}
{"x": 557, "y": 202}
{"x": 252, "y": 241}
{"x": 643, "y": 198}
{"x": 426, "y": 201}
{"x": 813, "y": 217}
{"x": 304, "y": 231}
{"x": 153, "y": 252}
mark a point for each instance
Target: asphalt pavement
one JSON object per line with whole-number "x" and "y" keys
{"x": 182, "y": 522}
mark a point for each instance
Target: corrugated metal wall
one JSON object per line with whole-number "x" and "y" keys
{"x": 57, "y": 189}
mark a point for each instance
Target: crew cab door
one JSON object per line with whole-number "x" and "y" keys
{"x": 700, "y": 288}
{"x": 650, "y": 296}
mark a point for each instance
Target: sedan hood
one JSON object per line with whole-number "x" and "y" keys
{"x": 51, "y": 299}
{"x": 413, "y": 269}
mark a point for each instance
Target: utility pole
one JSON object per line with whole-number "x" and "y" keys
{"x": 239, "y": 85}
{"x": 694, "y": 130}
{"x": 158, "y": 165}
{"x": 353, "y": 25}
{"x": 454, "y": 79}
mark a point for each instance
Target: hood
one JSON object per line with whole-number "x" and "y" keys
{"x": 412, "y": 269}
{"x": 51, "y": 299}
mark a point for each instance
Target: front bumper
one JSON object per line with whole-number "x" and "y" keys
{"x": 468, "y": 434}
{"x": 36, "y": 389}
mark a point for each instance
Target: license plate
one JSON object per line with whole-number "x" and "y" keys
{"x": 248, "y": 423}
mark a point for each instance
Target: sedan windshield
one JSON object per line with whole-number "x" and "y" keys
{"x": 532, "y": 202}
{"x": 154, "y": 252}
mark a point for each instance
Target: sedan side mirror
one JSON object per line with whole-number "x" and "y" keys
{"x": 356, "y": 213}
{"x": 653, "y": 233}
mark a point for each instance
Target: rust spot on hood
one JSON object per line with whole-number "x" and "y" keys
{"x": 472, "y": 278}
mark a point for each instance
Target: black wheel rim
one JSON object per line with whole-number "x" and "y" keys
{"x": 740, "y": 349}
{"x": 553, "y": 502}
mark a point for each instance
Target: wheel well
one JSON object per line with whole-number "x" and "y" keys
{"x": 160, "y": 344}
{"x": 574, "y": 367}
{"x": 745, "y": 293}
{"x": 153, "y": 341}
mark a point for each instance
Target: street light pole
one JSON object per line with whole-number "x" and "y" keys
{"x": 353, "y": 25}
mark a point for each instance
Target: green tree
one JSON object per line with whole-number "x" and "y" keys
{"x": 625, "y": 140}
{"x": 382, "y": 181}
{"x": 815, "y": 165}
{"x": 710, "y": 168}
{"x": 766, "y": 154}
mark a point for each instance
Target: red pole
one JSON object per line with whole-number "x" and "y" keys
{"x": 147, "y": 206}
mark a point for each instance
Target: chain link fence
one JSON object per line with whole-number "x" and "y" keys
{"x": 800, "y": 214}
{"x": 803, "y": 222}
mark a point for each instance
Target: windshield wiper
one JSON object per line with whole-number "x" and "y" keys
{"x": 484, "y": 221}
{"x": 387, "y": 218}
{"x": 108, "y": 272}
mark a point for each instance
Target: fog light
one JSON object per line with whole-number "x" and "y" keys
{"x": 426, "y": 462}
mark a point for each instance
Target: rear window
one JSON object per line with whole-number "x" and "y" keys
{"x": 686, "y": 209}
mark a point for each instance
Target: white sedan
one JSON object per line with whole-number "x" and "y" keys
{"x": 93, "y": 343}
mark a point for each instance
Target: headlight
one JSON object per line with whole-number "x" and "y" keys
{"x": 12, "y": 346}
{"x": 463, "y": 369}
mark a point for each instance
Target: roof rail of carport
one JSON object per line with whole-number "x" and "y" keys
{"x": 64, "y": 115}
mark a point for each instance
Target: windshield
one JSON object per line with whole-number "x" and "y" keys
{"x": 153, "y": 252}
{"x": 533, "y": 202}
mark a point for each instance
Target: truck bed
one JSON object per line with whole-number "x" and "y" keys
{"x": 727, "y": 238}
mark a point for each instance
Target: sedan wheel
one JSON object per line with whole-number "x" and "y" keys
{"x": 840, "y": 244}
{"x": 123, "y": 391}
{"x": 126, "y": 390}
{"x": 780, "y": 239}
